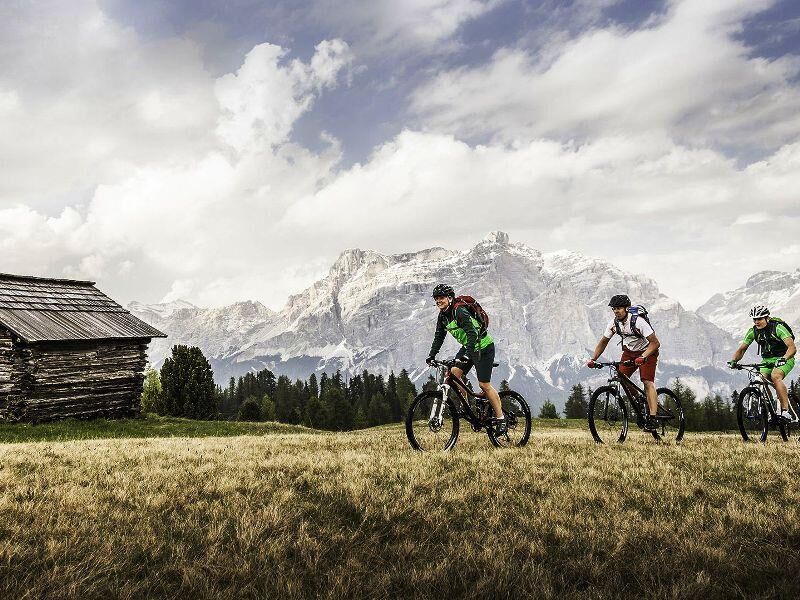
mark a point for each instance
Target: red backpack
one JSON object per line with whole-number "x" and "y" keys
{"x": 474, "y": 308}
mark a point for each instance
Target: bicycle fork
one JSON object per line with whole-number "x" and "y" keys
{"x": 438, "y": 407}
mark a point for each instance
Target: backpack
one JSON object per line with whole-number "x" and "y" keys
{"x": 475, "y": 310}
{"x": 635, "y": 312}
{"x": 772, "y": 332}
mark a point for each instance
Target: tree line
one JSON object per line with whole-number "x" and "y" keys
{"x": 185, "y": 387}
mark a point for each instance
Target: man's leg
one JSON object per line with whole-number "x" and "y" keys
{"x": 483, "y": 370}
{"x": 652, "y": 396}
{"x": 783, "y": 394}
{"x": 493, "y": 397}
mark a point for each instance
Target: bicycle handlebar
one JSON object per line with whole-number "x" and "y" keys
{"x": 449, "y": 364}
{"x": 615, "y": 364}
{"x": 740, "y": 367}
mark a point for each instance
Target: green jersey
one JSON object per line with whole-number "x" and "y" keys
{"x": 772, "y": 346}
{"x": 464, "y": 327}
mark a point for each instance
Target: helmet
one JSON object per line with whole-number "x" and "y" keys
{"x": 759, "y": 312}
{"x": 443, "y": 290}
{"x": 619, "y": 300}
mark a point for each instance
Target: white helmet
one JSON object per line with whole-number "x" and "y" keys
{"x": 759, "y": 312}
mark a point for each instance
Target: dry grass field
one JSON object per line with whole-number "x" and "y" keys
{"x": 299, "y": 515}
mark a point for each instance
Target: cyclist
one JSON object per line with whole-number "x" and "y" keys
{"x": 777, "y": 348}
{"x": 477, "y": 347}
{"x": 639, "y": 344}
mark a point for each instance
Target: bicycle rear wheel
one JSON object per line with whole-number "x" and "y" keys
{"x": 424, "y": 430}
{"x": 608, "y": 415}
{"x": 518, "y": 421}
{"x": 751, "y": 415}
{"x": 670, "y": 416}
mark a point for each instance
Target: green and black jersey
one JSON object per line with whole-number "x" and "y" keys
{"x": 770, "y": 339}
{"x": 464, "y": 327}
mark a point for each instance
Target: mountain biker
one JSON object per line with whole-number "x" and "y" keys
{"x": 777, "y": 349}
{"x": 640, "y": 345}
{"x": 477, "y": 347}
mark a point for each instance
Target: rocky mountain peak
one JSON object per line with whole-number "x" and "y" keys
{"x": 497, "y": 237}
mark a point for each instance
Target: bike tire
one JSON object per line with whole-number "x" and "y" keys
{"x": 751, "y": 415}
{"x": 518, "y": 421}
{"x": 607, "y": 413}
{"x": 421, "y": 434}
{"x": 668, "y": 403}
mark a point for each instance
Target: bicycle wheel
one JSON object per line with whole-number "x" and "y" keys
{"x": 518, "y": 421}
{"x": 608, "y": 415}
{"x": 751, "y": 415}
{"x": 425, "y": 431}
{"x": 670, "y": 416}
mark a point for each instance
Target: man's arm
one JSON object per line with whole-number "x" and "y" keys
{"x": 652, "y": 347}
{"x": 737, "y": 356}
{"x": 600, "y": 348}
{"x": 791, "y": 348}
{"x": 438, "y": 337}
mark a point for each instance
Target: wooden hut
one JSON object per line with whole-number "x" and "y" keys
{"x": 68, "y": 350}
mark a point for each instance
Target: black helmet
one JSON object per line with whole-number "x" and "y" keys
{"x": 443, "y": 290}
{"x": 619, "y": 300}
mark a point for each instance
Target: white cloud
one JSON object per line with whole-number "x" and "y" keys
{"x": 260, "y": 103}
{"x": 189, "y": 186}
{"x": 381, "y": 27}
{"x": 686, "y": 74}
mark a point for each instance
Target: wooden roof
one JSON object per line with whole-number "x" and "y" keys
{"x": 38, "y": 309}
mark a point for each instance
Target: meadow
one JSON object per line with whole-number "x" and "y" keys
{"x": 287, "y": 512}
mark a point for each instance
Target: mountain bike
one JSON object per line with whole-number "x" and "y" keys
{"x": 608, "y": 409}
{"x": 757, "y": 409}
{"x": 433, "y": 419}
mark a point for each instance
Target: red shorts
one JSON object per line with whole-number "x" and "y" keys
{"x": 647, "y": 372}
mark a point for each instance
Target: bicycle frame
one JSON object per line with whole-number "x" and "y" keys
{"x": 447, "y": 382}
{"x": 634, "y": 394}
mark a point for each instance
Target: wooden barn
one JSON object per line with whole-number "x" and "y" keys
{"x": 68, "y": 350}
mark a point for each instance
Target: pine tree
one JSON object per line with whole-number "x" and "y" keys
{"x": 577, "y": 404}
{"x": 504, "y": 387}
{"x": 250, "y": 410}
{"x": 267, "y": 408}
{"x": 548, "y": 410}
{"x": 379, "y": 412}
{"x": 406, "y": 392}
{"x": 392, "y": 398}
{"x": 151, "y": 392}
{"x": 360, "y": 421}
{"x": 187, "y": 384}
{"x": 687, "y": 399}
{"x": 341, "y": 418}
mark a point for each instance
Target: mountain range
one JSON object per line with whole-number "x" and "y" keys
{"x": 374, "y": 311}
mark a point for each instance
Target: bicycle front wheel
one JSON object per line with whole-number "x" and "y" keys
{"x": 431, "y": 426}
{"x": 518, "y": 421}
{"x": 670, "y": 418}
{"x": 752, "y": 416}
{"x": 608, "y": 415}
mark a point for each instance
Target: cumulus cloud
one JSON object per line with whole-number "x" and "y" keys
{"x": 260, "y": 103}
{"x": 686, "y": 73}
{"x": 132, "y": 165}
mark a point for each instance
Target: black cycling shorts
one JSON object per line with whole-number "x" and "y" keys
{"x": 485, "y": 363}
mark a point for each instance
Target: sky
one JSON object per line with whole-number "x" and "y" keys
{"x": 224, "y": 151}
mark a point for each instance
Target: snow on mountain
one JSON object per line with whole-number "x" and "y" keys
{"x": 374, "y": 311}
{"x": 778, "y": 290}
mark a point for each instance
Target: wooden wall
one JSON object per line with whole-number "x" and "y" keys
{"x": 76, "y": 380}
